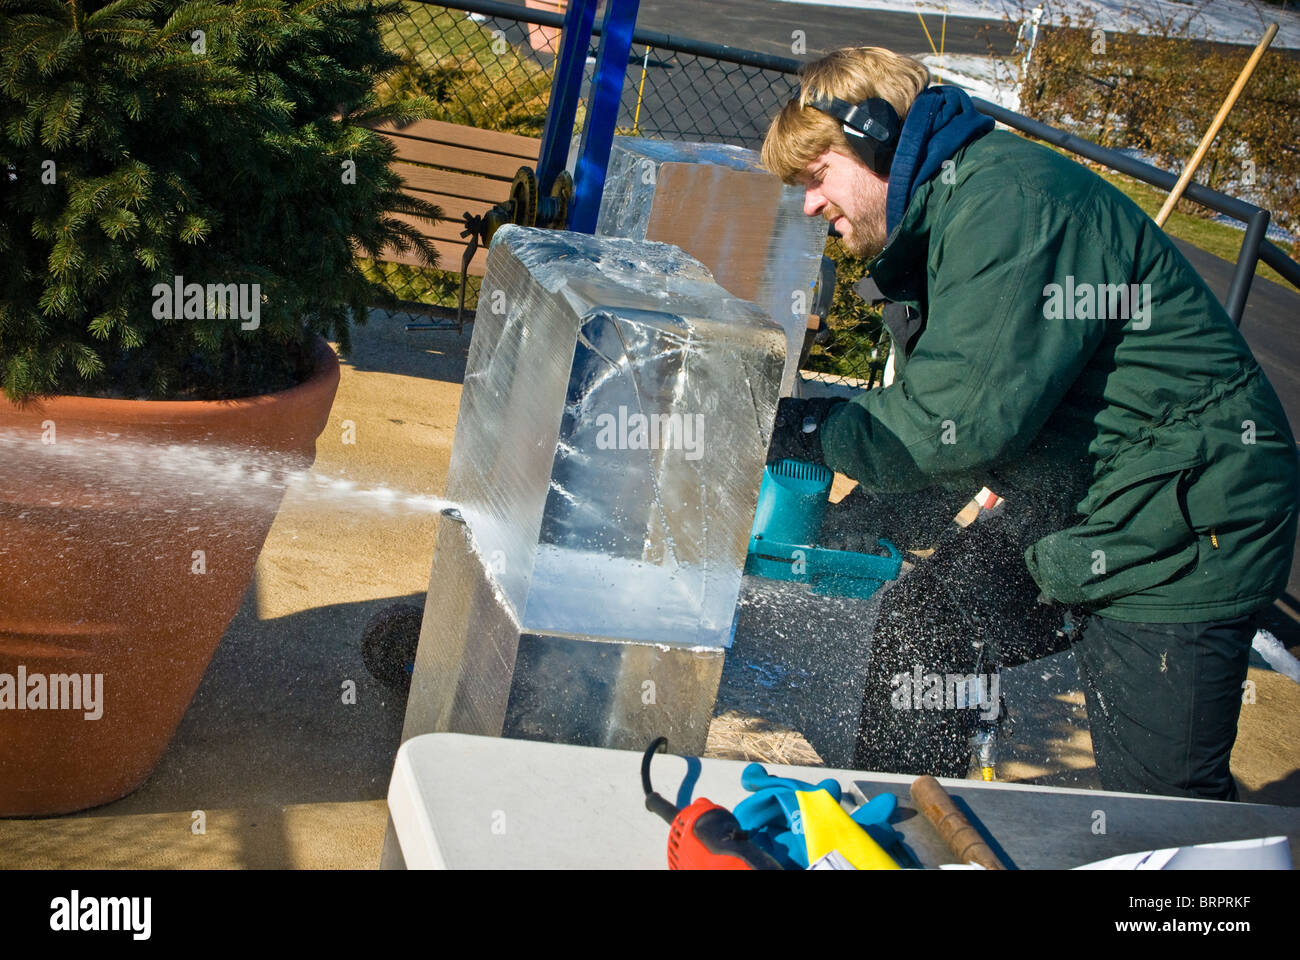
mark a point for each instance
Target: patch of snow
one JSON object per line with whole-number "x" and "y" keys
{"x": 1225, "y": 21}
{"x": 989, "y": 78}
{"x": 1276, "y": 655}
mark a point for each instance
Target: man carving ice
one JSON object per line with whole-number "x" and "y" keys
{"x": 1148, "y": 467}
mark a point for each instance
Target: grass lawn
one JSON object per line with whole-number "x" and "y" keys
{"x": 477, "y": 77}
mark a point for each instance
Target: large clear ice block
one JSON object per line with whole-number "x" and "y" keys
{"x": 613, "y": 427}
{"x": 720, "y": 205}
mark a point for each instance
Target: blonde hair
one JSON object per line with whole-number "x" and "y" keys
{"x": 800, "y": 133}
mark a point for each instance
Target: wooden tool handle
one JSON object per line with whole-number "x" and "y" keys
{"x": 962, "y": 839}
{"x": 1213, "y": 132}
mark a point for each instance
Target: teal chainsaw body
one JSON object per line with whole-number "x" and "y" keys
{"x": 791, "y": 505}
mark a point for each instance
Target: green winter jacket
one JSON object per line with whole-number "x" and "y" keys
{"x": 1068, "y": 346}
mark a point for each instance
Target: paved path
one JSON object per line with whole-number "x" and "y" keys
{"x": 766, "y": 26}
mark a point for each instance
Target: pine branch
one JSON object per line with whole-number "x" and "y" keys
{"x": 119, "y": 9}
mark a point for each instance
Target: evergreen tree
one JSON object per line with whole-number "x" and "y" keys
{"x": 141, "y": 140}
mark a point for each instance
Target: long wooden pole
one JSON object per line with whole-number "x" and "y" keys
{"x": 1213, "y": 132}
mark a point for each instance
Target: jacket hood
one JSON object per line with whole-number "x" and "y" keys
{"x": 941, "y": 120}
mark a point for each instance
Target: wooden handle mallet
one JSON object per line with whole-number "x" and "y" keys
{"x": 962, "y": 839}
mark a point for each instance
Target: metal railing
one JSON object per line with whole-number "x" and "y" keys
{"x": 675, "y": 89}
{"x": 489, "y": 63}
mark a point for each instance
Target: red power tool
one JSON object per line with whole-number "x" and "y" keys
{"x": 703, "y": 836}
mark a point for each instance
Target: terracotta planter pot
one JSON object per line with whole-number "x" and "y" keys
{"x": 542, "y": 38}
{"x": 128, "y": 535}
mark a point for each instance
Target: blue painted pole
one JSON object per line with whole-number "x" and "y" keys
{"x": 566, "y": 85}
{"x": 602, "y": 113}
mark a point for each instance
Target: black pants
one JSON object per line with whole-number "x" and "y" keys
{"x": 1162, "y": 699}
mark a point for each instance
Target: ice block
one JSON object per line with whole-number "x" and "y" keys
{"x": 613, "y": 427}
{"x": 616, "y": 413}
{"x": 720, "y": 205}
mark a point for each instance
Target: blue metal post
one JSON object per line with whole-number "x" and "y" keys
{"x": 602, "y": 113}
{"x": 566, "y": 85}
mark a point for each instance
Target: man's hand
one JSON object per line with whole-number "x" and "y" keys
{"x": 797, "y": 434}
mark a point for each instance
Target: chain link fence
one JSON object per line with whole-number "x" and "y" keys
{"x": 493, "y": 70}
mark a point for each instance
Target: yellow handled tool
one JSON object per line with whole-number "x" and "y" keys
{"x": 827, "y": 827}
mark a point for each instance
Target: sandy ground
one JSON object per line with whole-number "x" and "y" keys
{"x": 286, "y": 773}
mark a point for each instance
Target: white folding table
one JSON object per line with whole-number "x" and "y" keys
{"x": 460, "y": 801}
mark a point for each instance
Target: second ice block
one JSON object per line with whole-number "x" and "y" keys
{"x": 719, "y": 204}
{"x": 617, "y": 409}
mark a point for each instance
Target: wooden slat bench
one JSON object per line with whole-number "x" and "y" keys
{"x": 473, "y": 172}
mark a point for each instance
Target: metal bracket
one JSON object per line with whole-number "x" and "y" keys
{"x": 566, "y": 85}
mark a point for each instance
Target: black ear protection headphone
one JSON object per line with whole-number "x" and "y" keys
{"x": 872, "y": 128}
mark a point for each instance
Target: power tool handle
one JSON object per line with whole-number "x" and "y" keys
{"x": 706, "y": 836}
